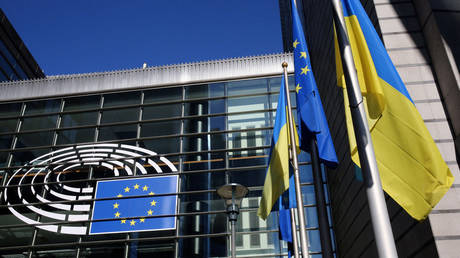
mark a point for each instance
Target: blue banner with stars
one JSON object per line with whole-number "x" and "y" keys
{"x": 310, "y": 111}
{"x": 143, "y": 208}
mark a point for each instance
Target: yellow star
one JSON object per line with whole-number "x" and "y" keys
{"x": 132, "y": 223}
{"x": 149, "y": 212}
{"x": 127, "y": 189}
{"x": 145, "y": 188}
{"x": 123, "y": 221}
{"x": 115, "y": 206}
{"x": 295, "y": 43}
{"x": 136, "y": 186}
{"x": 117, "y": 215}
{"x": 303, "y": 54}
{"x": 151, "y": 193}
{"x": 305, "y": 70}
{"x": 142, "y": 220}
{"x": 119, "y": 195}
{"x": 153, "y": 203}
{"x": 297, "y": 88}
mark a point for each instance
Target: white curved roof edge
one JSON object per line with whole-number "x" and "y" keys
{"x": 189, "y": 73}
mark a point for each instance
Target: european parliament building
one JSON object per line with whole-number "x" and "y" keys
{"x": 165, "y": 138}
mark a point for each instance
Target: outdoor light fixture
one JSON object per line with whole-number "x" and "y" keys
{"x": 232, "y": 194}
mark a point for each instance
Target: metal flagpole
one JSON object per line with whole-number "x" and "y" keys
{"x": 323, "y": 221}
{"x": 295, "y": 165}
{"x": 377, "y": 206}
{"x": 295, "y": 244}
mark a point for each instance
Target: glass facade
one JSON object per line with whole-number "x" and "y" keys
{"x": 214, "y": 134}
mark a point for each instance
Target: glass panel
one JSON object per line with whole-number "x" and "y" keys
{"x": 7, "y": 68}
{"x": 3, "y": 158}
{"x": 78, "y": 119}
{"x": 21, "y": 157}
{"x": 43, "y": 106}
{"x": 247, "y": 87}
{"x": 196, "y": 92}
{"x": 8, "y": 125}
{"x": 121, "y": 99}
{"x": 36, "y": 123}
{"x": 162, "y": 111}
{"x": 34, "y": 139}
{"x": 120, "y": 115}
{"x": 162, "y": 95}
{"x": 16, "y": 236}
{"x": 162, "y": 146}
{"x": 75, "y": 136}
{"x": 248, "y": 139}
{"x": 276, "y": 82}
{"x": 249, "y": 177}
{"x": 202, "y": 224}
{"x": 10, "y": 109}
{"x": 5, "y": 141}
{"x": 248, "y": 104}
{"x": 79, "y": 103}
{"x": 117, "y": 132}
{"x": 217, "y": 89}
{"x": 160, "y": 128}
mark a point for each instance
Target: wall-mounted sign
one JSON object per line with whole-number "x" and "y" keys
{"x": 129, "y": 212}
{"x": 50, "y": 193}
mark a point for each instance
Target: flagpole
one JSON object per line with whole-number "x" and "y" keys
{"x": 295, "y": 165}
{"x": 323, "y": 221}
{"x": 377, "y": 206}
{"x": 295, "y": 244}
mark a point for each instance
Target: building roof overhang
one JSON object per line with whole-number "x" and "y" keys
{"x": 189, "y": 73}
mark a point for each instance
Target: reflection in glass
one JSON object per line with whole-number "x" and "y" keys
{"x": 3, "y": 158}
{"x": 81, "y": 103}
{"x": 121, "y": 99}
{"x": 75, "y": 136}
{"x": 196, "y": 92}
{"x": 161, "y": 146}
{"x": 34, "y": 139}
{"x": 36, "y": 123}
{"x": 162, "y": 95}
{"x": 42, "y": 106}
{"x": 8, "y": 125}
{"x": 79, "y": 119}
{"x": 160, "y": 128}
{"x": 10, "y": 109}
{"x": 162, "y": 111}
{"x": 247, "y": 87}
{"x": 21, "y": 157}
{"x": 120, "y": 115}
{"x": 117, "y": 132}
{"x": 5, "y": 141}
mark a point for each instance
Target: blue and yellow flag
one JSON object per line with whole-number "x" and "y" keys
{"x": 277, "y": 178}
{"x": 133, "y": 214}
{"x": 411, "y": 167}
{"x": 310, "y": 111}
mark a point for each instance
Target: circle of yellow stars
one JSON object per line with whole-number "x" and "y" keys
{"x": 304, "y": 70}
{"x": 127, "y": 189}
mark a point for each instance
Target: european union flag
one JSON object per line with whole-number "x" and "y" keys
{"x": 142, "y": 207}
{"x": 309, "y": 107}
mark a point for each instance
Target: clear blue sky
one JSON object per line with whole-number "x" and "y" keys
{"x": 70, "y": 36}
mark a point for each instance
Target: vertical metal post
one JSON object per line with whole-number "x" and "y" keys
{"x": 232, "y": 240}
{"x": 323, "y": 221}
{"x": 295, "y": 164}
{"x": 295, "y": 243}
{"x": 377, "y": 206}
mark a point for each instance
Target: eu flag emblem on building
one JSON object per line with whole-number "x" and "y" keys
{"x": 122, "y": 210}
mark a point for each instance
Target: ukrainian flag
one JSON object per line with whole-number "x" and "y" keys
{"x": 411, "y": 168}
{"x": 277, "y": 178}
